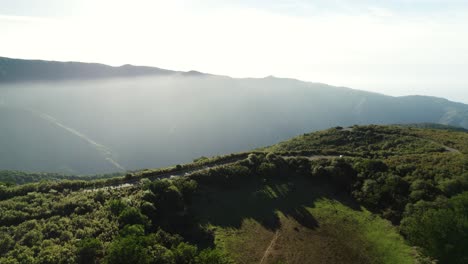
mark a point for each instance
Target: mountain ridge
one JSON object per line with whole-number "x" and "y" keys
{"x": 45, "y": 70}
{"x": 130, "y": 70}
{"x": 173, "y": 117}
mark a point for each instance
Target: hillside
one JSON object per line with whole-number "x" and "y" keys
{"x": 145, "y": 117}
{"x": 397, "y": 194}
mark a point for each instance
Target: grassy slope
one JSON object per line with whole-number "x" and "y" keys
{"x": 307, "y": 222}
{"x": 311, "y": 223}
{"x": 384, "y": 139}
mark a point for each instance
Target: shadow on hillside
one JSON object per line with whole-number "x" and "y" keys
{"x": 263, "y": 201}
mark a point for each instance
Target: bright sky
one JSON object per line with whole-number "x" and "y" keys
{"x": 396, "y": 47}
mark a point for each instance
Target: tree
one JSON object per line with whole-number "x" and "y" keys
{"x": 88, "y": 250}
{"x": 132, "y": 216}
{"x": 440, "y": 228}
{"x": 132, "y": 230}
{"x": 212, "y": 256}
{"x": 186, "y": 186}
{"x": 267, "y": 170}
{"x": 161, "y": 255}
{"x": 116, "y": 206}
{"x": 148, "y": 209}
{"x": 6, "y": 243}
{"x": 165, "y": 196}
{"x": 129, "y": 249}
{"x": 55, "y": 254}
{"x": 184, "y": 253}
{"x": 341, "y": 173}
{"x": 32, "y": 238}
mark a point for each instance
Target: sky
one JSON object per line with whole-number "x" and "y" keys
{"x": 395, "y": 47}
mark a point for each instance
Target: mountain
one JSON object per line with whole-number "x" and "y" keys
{"x": 140, "y": 117}
{"x": 361, "y": 194}
{"x": 17, "y": 70}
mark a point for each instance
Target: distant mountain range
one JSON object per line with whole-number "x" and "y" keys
{"x": 60, "y": 116}
{"x": 18, "y": 70}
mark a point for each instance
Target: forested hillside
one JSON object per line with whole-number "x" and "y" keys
{"x": 364, "y": 194}
{"x": 128, "y": 118}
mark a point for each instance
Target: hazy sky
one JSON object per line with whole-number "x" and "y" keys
{"x": 396, "y": 47}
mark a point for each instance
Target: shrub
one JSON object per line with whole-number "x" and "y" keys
{"x": 132, "y": 216}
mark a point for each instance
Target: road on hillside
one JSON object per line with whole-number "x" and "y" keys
{"x": 169, "y": 175}
{"x": 449, "y": 149}
{"x": 188, "y": 172}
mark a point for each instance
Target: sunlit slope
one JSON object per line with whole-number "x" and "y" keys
{"x": 289, "y": 219}
{"x": 380, "y": 140}
{"x": 295, "y": 220}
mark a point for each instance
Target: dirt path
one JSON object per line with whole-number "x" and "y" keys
{"x": 313, "y": 157}
{"x": 449, "y": 149}
{"x": 267, "y": 251}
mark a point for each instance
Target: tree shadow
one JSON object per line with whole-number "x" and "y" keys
{"x": 263, "y": 201}
{"x": 303, "y": 217}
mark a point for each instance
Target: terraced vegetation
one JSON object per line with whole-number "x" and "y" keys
{"x": 398, "y": 195}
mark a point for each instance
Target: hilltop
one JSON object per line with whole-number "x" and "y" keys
{"x": 363, "y": 194}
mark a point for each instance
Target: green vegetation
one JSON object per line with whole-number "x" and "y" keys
{"x": 398, "y": 195}
{"x": 20, "y": 177}
{"x": 415, "y": 176}
{"x": 440, "y": 227}
{"x": 301, "y": 221}
{"x": 369, "y": 141}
